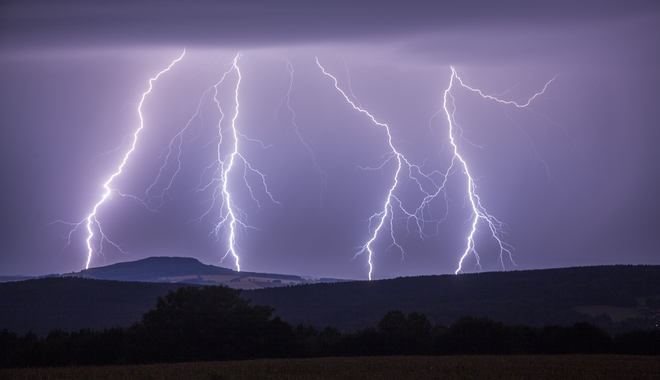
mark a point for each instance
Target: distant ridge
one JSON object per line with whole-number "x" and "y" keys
{"x": 190, "y": 271}
{"x": 153, "y": 269}
{"x": 618, "y": 298}
{"x": 15, "y": 278}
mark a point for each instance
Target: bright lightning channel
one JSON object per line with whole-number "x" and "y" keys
{"x": 231, "y": 215}
{"x": 380, "y": 218}
{"x": 91, "y": 221}
{"x": 479, "y": 212}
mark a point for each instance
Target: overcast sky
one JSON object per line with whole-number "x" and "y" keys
{"x": 574, "y": 176}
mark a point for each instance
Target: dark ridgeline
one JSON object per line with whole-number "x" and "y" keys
{"x": 535, "y": 298}
{"x": 532, "y": 297}
{"x": 72, "y": 303}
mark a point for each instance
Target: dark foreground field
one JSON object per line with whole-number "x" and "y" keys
{"x": 386, "y": 368}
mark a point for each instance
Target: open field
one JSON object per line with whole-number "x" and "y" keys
{"x": 386, "y": 368}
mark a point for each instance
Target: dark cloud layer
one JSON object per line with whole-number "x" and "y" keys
{"x": 44, "y": 24}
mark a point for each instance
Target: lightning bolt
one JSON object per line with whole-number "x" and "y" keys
{"x": 478, "y": 211}
{"x": 383, "y": 218}
{"x": 230, "y": 163}
{"x": 232, "y": 216}
{"x": 92, "y": 222}
{"x": 436, "y": 179}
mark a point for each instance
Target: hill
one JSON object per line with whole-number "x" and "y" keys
{"x": 190, "y": 271}
{"x": 618, "y": 298}
{"x": 41, "y": 305}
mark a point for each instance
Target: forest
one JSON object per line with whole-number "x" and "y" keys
{"x": 214, "y": 323}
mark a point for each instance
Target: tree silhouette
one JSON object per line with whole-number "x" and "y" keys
{"x": 205, "y": 323}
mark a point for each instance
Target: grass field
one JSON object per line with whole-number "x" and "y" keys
{"x": 386, "y": 368}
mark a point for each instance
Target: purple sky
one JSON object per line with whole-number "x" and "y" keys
{"x": 574, "y": 176}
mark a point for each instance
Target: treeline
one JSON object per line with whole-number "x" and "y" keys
{"x": 214, "y": 323}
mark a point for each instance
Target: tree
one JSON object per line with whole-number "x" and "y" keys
{"x": 207, "y": 323}
{"x": 8, "y": 346}
{"x": 405, "y": 335}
